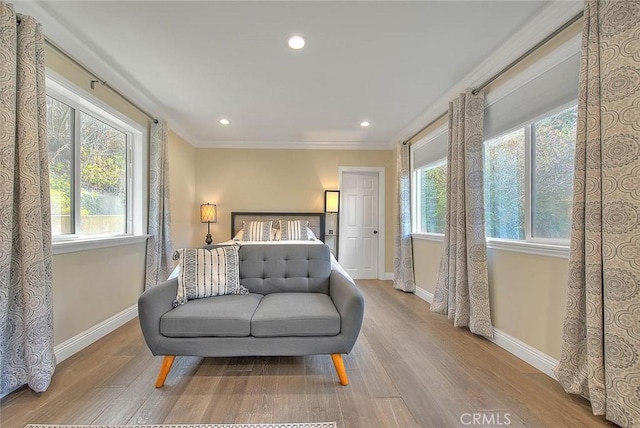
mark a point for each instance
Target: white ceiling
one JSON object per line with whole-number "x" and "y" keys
{"x": 195, "y": 62}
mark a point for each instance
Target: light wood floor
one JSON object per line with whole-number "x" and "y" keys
{"x": 409, "y": 368}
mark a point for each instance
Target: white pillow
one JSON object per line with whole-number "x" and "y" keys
{"x": 310, "y": 235}
{"x": 294, "y": 230}
{"x": 257, "y": 230}
{"x": 207, "y": 273}
{"x": 240, "y": 234}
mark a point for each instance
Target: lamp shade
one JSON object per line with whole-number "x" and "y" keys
{"x": 331, "y": 201}
{"x": 208, "y": 213}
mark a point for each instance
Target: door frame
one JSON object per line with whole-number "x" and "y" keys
{"x": 380, "y": 171}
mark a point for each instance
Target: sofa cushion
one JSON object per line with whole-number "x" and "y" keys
{"x": 219, "y": 316}
{"x": 295, "y": 314}
{"x": 289, "y": 268}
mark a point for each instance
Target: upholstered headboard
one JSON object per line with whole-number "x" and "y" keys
{"x": 316, "y": 220}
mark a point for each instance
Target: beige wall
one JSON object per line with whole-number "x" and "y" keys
{"x": 528, "y": 292}
{"x": 528, "y": 296}
{"x": 92, "y": 286}
{"x": 281, "y": 180}
{"x": 182, "y": 191}
{"x": 426, "y": 261}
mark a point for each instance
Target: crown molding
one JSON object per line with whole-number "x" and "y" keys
{"x": 547, "y": 21}
{"x": 91, "y": 56}
{"x": 179, "y": 130}
{"x": 297, "y": 145}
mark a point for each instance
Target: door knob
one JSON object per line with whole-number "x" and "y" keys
{"x": 375, "y": 232}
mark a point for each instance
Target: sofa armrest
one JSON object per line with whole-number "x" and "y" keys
{"x": 349, "y": 302}
{"x": 152, "y": 305}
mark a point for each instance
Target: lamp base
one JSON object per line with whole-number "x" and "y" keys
{"x": 209, "y": 240}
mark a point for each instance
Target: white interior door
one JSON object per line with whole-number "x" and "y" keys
{"x": 359, "y": 233}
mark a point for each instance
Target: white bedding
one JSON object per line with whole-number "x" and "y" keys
{"x": 310, "y": 241}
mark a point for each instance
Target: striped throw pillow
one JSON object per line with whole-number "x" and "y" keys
{"x": 208, "y": 273}
{"x": 294, "y": 230}
{"x": 257, "y": 231}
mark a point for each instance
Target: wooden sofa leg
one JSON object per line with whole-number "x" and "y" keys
{"x": 167, "y": 362}
{"x": 339, "y": 364}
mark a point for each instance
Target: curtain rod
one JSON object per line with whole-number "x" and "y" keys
{"x": 504, "y": 70}
{"x": 95, "y": 76}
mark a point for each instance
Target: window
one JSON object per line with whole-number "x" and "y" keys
{"x": 95, "y": 163}
{"x": 60, "y": 131}
{"x": 431, "y": 197}
{"x": 504, "y": 182}
{"x": 103, "y": 177}
{"x": 528, "y": 180}
{"x": 100, "y": 206}
{"x": 429, "y": 185}
{"x": 552, "y": 168}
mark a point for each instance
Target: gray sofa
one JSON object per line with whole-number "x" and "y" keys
{"x": 298, "y": 305}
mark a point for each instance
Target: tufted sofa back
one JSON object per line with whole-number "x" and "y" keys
{"x": 285, "y": 268}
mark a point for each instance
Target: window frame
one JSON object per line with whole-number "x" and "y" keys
{"x": 529, "y": 146}
{"x": 427, "y": 139}
{"x": 530, "y": 245}
{"x": 76, "y": 209}
{"x": 416, "y": 211}
{"x": 81, "y": 101}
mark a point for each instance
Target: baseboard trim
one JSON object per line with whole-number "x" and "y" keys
{"x": 424, "y": 294}
{"x": 526, "y": 353}
{"x": 387, "y": 276}
{"x": 98, "y": 331}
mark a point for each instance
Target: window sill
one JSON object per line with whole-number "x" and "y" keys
{"x": 435, "y": 237}
{"x": 535, "y": 248}
{"x": 538, "y": 249}
{"x": 84, "y": 244}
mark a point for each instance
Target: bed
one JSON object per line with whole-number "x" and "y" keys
{"x": 316, "y": 224}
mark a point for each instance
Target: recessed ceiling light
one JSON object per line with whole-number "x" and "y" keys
{"x": 296, "y": 42}
{"x": 224, "y": 121}
{"x": 365, "y": 123}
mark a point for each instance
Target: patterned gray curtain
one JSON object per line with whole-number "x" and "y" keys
{"x": 159, "y": 247}
{"x": 403, "y": 260}
{"x": 462, "y": 288}
{"x": 26, "y": 306}
{"x": 601, "y": 341}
